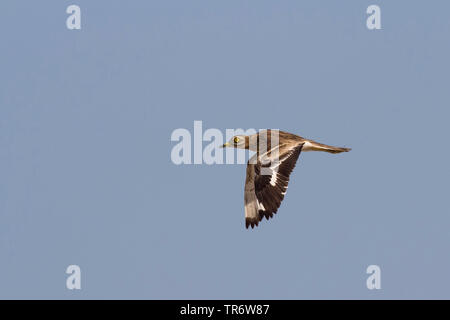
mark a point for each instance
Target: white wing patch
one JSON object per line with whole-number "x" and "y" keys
{"x": 260, "y": 206}
{"x": 273, "y": 179}
{"x": 274, "y": 169}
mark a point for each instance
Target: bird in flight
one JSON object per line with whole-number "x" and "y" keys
{"x": 268, "y": 170}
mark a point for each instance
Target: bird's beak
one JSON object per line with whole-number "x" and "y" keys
{"x": 225, "y": 145}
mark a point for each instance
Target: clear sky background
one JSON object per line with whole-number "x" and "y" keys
{"x": 85, "y": 170}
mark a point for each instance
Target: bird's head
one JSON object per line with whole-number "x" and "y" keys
{"x": 240, "y": 142}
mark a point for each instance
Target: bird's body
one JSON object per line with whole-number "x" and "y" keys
{"x": 269, "y": 169}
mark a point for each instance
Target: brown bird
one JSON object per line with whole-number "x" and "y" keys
{"x": 269, "y": 169}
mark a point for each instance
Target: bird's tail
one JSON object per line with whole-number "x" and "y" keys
{"x": 316, "y": 146}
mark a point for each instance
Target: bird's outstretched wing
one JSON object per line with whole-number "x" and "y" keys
{"x": 266, "y": 184}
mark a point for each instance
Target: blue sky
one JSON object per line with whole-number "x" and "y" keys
{"x": 86, "y": 177}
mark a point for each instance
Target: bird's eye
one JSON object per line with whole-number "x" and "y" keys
{"x": 236, "y": 139}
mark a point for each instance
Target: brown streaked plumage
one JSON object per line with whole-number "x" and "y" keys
{"x": 269, "y": 169}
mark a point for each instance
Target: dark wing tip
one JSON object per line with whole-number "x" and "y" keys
{"x": 251, "y": 222}
{"x": 266, "y": 214}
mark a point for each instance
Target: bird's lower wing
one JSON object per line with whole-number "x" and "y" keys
{"x": 266, "y": 184}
